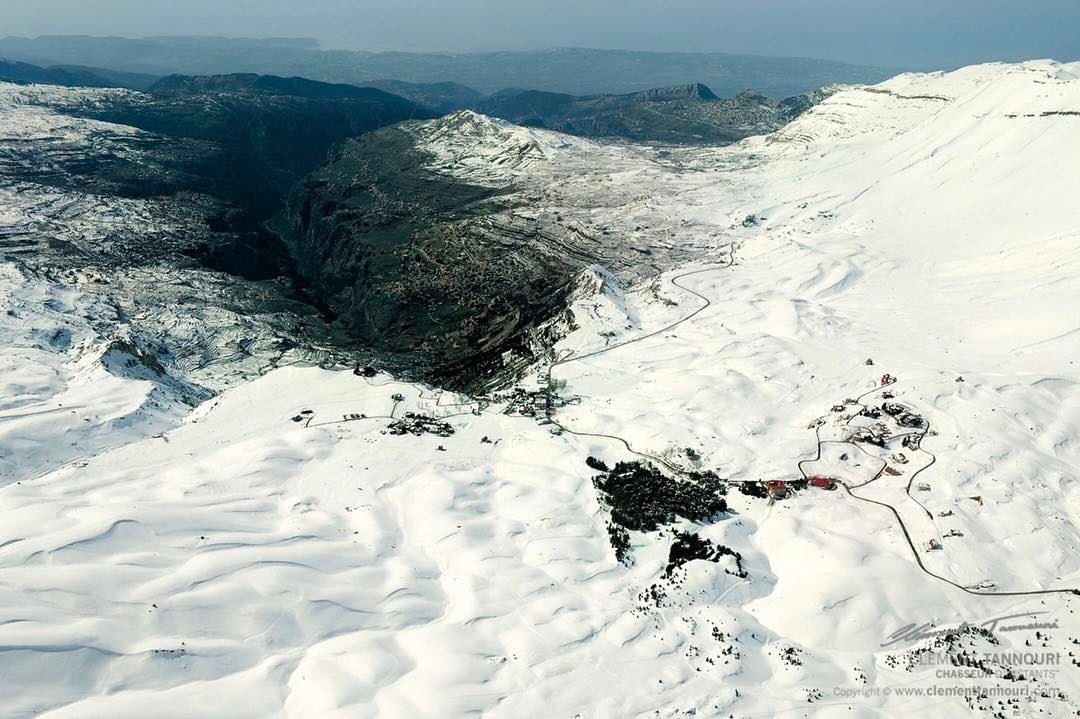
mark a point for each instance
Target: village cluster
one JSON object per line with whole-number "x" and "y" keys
{"x": 877, "y": 441}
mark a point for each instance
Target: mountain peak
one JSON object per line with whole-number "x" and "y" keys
{"x": 691, "y": 91}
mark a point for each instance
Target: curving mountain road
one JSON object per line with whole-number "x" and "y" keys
{"x": 706, "y": 303}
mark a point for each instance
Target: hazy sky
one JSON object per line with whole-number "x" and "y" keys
{"x": 911, "y": 33}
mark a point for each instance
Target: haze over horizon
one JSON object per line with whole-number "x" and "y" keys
{"x": 919, "y": 34}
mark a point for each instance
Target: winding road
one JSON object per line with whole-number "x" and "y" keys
{"x": 680, "y": 471}
{"x": 561, "y": 362}
{"x": 706, "y": 303}
{"x": 903, "y": 527}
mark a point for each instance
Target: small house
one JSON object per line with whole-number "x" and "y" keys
{"x": 776, "y": 489}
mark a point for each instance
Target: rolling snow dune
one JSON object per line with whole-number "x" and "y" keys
{"x": 276, "y": 551}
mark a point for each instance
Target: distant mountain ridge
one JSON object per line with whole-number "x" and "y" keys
{"x": 689, "y": 113}
{"x": 25, "y": 73}
{"x": 578, "y": 71}
{"x": 684, "y": 114}
{"x": 269, "y": 85}
{"x": 438, "y": 96}
{"x": 692, "y": 91}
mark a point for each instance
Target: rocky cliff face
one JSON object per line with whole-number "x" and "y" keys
{"x": 426, "y": 269}
{"x": 451, "y": 245}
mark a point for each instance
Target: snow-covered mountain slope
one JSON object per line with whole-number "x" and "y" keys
{"x": 293, "y": 550}
{"x": 607, "y": 201}
{"x": 97, "y": 235}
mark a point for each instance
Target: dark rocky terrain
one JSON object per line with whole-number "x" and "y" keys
{"x": 221, "y": 152}
{"x": 265, "y": 132}
{"x": 453, "y": 246}
{"x": 687, "y": 114}
{"x": 413, "y": 264}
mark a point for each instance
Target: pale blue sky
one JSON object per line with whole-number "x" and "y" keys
{"x": 911, "y": 33}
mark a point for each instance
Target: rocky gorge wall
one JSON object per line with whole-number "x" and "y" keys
{"x": 421, "y": 267}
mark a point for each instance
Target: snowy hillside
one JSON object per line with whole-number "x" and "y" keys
{"x": 324, "y": 544}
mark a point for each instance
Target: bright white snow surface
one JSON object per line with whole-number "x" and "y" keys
{"x": 245, "y": 564}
